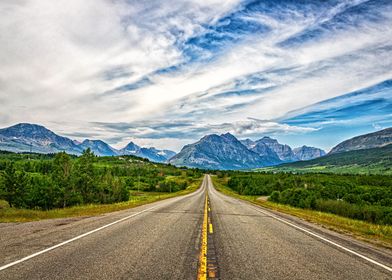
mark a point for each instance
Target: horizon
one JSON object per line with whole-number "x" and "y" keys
{"x": 80, "y": 141}
{"x": 165, "y": 74}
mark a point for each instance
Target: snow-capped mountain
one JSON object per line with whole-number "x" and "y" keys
{"x": 227, "y": 152}
{"x": 219, "y": 152}
{"x": 150, "y": 153}
{"x": 25, "y": 137}
{"x": 284, "y": 152}
{"x": 99, "y": 147}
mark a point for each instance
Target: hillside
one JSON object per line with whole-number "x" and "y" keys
{"x": 366, "y": 141}
{"x": 366, "y": 161}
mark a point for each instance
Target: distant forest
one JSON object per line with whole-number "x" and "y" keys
{"x": 362, "y": 197}
{"x": 35, "y": 181}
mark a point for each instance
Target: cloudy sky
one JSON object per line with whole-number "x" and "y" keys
{"x": 165, "y": 73}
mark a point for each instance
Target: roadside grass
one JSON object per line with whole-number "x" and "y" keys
{"x": 380, "y": 235}
{"x": 8, "y": 214}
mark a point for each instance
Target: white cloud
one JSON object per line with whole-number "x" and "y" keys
{"x": 55, "y": 51}
{"x": 259, "y": 127}
{"x": 345, "y": 61}
{"x": 56, "y": 57}
{"x": 161, "y": 143}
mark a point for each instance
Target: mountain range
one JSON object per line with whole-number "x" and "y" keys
{"x": 212, "y": 151}
{"x": 218, "y": 152}
{"x": 282, "y": 152}
{"x": 227, "y": 152}
{"x": 364, "y": 161}
{"x": 25, "y": 137}
{"x": 365, "y": 154}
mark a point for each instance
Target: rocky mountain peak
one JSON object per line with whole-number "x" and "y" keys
{"x": 131, "y": 147}
{"x": 25, "y": 137}
{"x": 230, "y": 137}
{"x": 308, "y": 153}
{"x": 283, "y": 151}
{"x": 27, "y": 130}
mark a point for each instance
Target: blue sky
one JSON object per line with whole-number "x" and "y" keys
{"x": 165, "y": 73}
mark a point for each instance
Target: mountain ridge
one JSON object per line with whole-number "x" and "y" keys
{"x": 216, "y": 152}
{"x": 225, "y": 151}
{"x": 307, "y": 153}
{"x": 369, "y": 153}
{"x": 366, "y": 141}
{"x": 26, "y": 137}
{"x": 212, "y": 151}
{"x": 365, "y": 161}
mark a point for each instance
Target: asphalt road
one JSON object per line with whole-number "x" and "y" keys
{"x": 162, "y": 240}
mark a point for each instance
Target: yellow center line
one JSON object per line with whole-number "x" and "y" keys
{"x": 211, "y": 229}
{"x": 202, "y": 273}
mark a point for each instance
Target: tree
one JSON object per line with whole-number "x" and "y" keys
{"x": 112, "y": 189}
{"x": 14, "y": 186}
{"x": 274, "y": 196}
{"x": 61, "y": 175}
{"x": 84, "y": 177}
{"x": 43, "y": 193}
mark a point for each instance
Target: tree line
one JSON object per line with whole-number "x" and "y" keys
{"x": 34, "y": 181}
{"x": 363, "y": 197}
{"x": 59, "y": 183}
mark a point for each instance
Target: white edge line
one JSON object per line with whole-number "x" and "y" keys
{"x": 326, "y": 240}
{"x": 318, "y": 236}
{"x": 85, "y": 234}
{"x": 72, "y": 239}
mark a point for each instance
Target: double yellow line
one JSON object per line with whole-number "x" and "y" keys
{"x": 202, "y": 273}
{"x": 207, "y": 267}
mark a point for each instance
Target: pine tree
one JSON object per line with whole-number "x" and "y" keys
{"x": 85, "y": 179}
{"x": 61, "y": 175}
{"x": 14, "y": 186}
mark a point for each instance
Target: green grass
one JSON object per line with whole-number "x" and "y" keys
{"x": 8, "y": 214}
{"x": 376, "y": 234}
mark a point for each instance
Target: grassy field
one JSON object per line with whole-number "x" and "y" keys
{"x": 8, "y": 214}
{"x": 380, "y": 235}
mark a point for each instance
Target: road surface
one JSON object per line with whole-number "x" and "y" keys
{"x": 169, "y": 240}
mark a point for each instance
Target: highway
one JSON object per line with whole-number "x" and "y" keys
{"x": 203, "y": 235}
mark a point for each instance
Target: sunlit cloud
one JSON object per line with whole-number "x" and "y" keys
{"x": 168, "y": 72}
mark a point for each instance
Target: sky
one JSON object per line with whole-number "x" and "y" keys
{"x": 166, "y": 73}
